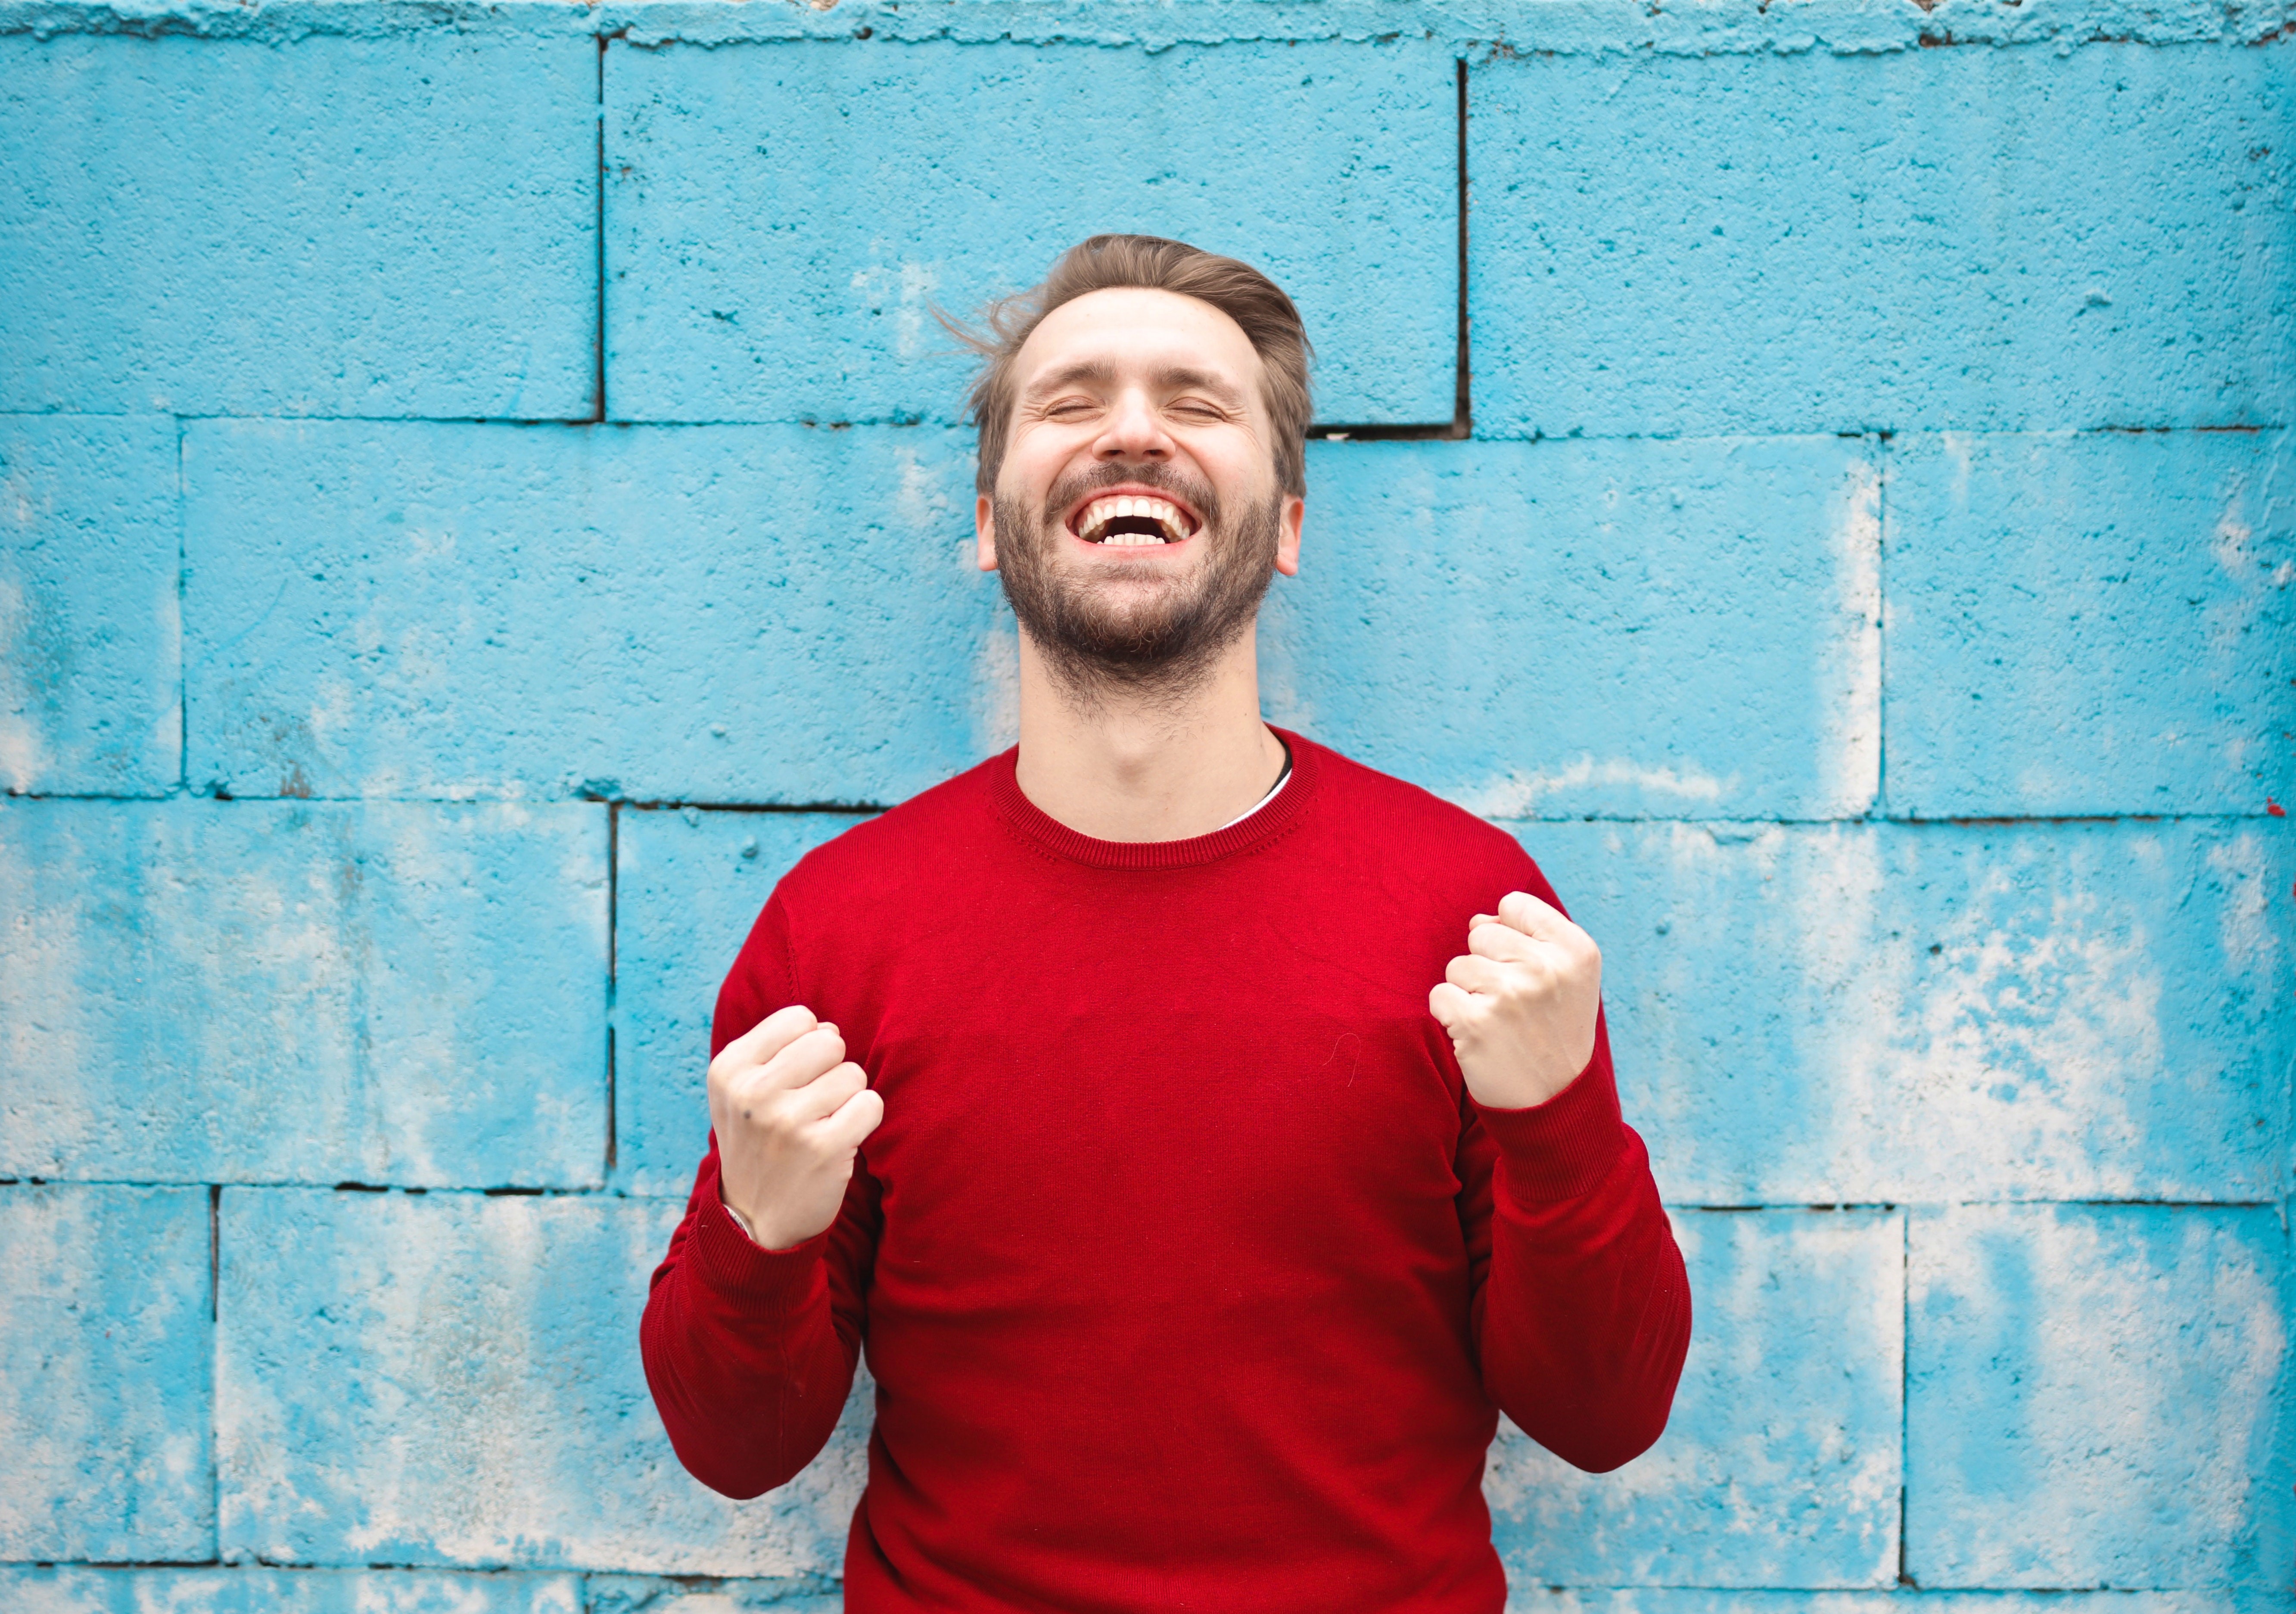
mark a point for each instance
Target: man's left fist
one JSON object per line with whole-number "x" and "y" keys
{"x": 1520, "y": 1004}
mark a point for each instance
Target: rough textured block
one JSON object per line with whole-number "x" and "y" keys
{"x": 104, "y": 1384}
{"x": 71, "y": 1590}
{"x": 1678, "y": 1600}
{"x": 1853, "y": 1014}
{"x": 2097, "y": 1398}
{"x": 688, "y": 886}
{"x": 725, "y": 614}
{"x": 90, "y": 636}
{"x": 1666, "y": 243}
{"x": 632, "y": 1594}
{"x": 2091, "y": 625}
{"x": 782, "y": 220}
{"x": 1781, "y": 1463}
{"x": 402, "y": 225}
{"x": 454, "y": 1379}
{"x": 1552, "y": 629}
{"x": 272, "y": 991}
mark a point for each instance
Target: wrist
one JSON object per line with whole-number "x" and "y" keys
{"x": 1517, "y": 1090}
{"x": 741, "y": 1220}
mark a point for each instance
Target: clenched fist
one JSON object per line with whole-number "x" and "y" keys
{"x": 790, "y": 1111}
{"x": 1520, "y": 1004}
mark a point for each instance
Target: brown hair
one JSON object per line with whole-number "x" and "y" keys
{"x": 1102, "y": 263}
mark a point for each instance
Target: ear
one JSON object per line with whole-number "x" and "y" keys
{"x": 1287, "y": 540}
{"x": 984, "y": 532}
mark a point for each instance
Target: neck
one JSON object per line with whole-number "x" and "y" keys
{"x": 1161, "y": 766}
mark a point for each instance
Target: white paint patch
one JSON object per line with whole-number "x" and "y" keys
{"x": 1282, "y": 699}
{"x": 2144, "y": 1385}
{"x": 456, "y": 1394}
{"x": 907, "y": 291}
{"x": 107, "y": 1297}
{"x": 51, "y": 1028}
{"x": 1958, "y": 447}
{"x": 1799, "y": 1480}
{"x": 997, "y": 686}
{"x": 2244, "y": 928}
{"x": 1519, "y": 794}
{"x": 921, "y": 494}
{"x": 22, "y": 755}
{"x": 1850, "y": 652}
{"x": 2003, "y": 1064}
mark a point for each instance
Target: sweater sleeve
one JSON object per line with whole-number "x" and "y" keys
{"x": 750, "y": 1353}
{"x": 1581, "y": 1307}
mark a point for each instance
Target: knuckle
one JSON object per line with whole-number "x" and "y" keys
{"x": 779, "y": 1115}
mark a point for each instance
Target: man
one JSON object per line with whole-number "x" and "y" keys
{"x": 1105, "y": 1091}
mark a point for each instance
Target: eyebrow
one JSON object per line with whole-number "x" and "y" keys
{"x": 1177, "y": 378}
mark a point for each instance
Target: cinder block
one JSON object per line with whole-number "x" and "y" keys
{"x": 2097, "y": 1398}
{"x": 71, "y": 1589}
{"x": 1853, "y": 1014}
{"x": 90, "y": 636}
{"x": 454, "y": 1379}
{"x": 688, "y": 886}
{"x": 783, "y": 219}
{"x": 404, "y": 224}
{"x": 635, "y": 1594}
{"x": 290, "y": 992}
{"x": 2091, "y": 625}
{"x": 701, "y": 614}
{"x": 1678, "y": 1600}
{"x": 1781, "y": 1463}
{"x": 1672, "y": 630}
{"x": 105, "y": 1392}
{"x": 1908, "y": 240}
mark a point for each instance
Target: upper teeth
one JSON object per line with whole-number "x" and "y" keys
{"x": 1100, "y": 512}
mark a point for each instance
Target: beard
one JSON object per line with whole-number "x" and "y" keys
{"x": 1109, "y": 630}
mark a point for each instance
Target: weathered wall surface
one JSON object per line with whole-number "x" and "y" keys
{"x": 480, "y": 493}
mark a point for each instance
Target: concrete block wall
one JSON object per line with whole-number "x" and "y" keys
{"x": 483, "y": 494}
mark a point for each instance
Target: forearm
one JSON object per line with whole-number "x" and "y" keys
{"x": 1584, "y": 1316}
{"x": 743, "y": 1353}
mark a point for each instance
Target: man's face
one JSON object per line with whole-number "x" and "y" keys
{"x": 1136, "y": 518}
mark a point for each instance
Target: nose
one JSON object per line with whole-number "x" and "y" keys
{"x": 1133, "y": 431}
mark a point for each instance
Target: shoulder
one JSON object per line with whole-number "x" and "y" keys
{"x": 896, "y": 851}
{"x": 1404, "y": 815}
{"x": 899, "y": 873}
{"x": 1395, "y": 825}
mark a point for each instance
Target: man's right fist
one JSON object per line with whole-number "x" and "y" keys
{"x": 790, "y": 1111}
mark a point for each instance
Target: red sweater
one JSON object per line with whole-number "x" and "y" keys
{"x": 1190, "y": 1275}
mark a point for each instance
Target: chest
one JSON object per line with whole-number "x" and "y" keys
{"x": 1135, "y": 1079}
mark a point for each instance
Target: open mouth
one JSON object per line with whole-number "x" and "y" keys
{"x": 1131, "y": 521}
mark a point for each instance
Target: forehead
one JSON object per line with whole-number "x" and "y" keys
{"x": 1133, "y": 331}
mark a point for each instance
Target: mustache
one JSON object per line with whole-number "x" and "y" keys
{"x": 1073, "y": 489}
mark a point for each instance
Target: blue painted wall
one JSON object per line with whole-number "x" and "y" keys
{"x": 480, "y": 493}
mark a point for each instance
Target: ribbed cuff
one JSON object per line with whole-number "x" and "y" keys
{"x": 1561, "y": 1149}
{"x": 771, "y": 1282}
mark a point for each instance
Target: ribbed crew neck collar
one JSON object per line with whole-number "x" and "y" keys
{"x": 1258, "y": 828}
